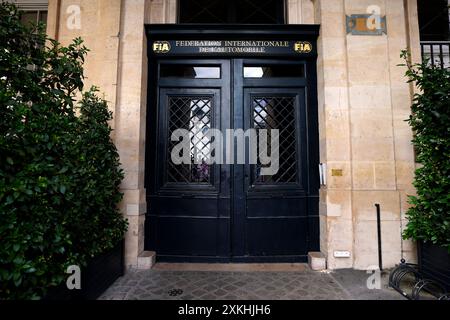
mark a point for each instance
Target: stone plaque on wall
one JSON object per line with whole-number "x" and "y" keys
{"x": 366, "y": 25}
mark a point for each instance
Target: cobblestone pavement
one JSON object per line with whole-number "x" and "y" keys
{"x": 215, "y": 285}
{"x": 193, "y": 285}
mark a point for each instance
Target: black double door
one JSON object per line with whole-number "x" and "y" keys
{"x": 231, "y": 211}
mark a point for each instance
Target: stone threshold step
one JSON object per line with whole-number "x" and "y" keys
{"x": 238, "y": 267}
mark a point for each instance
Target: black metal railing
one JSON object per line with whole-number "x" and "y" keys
{"x": 437, "y": 52}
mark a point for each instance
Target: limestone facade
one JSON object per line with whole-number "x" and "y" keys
{"x": 363, "y": 102}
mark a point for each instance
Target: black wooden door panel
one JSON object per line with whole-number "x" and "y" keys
{"x": 231, "y": 212}
{"x": 189, "y": 203}
{"x": 276, "y": 237}
{"x": 184, "y": 236}
{"x": 270, "y": 207}
{"x": 276, "y": 206}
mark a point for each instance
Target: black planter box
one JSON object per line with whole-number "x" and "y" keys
{"x": 96, "y": 277}
{"x": 434, "y": 263}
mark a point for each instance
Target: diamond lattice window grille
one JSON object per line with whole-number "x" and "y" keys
{"x": 194, "y": 115}
{"x": 277, "y": 113}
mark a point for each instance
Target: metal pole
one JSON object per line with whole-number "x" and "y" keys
{"x": 380, "y": 259}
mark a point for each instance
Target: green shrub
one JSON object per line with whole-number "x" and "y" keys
{"x": 59, "y": 170}
{"x": 429, "y": 216}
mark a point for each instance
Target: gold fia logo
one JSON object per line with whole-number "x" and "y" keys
{"x": 161, "y": 47}
{"x": 303, "y": 47}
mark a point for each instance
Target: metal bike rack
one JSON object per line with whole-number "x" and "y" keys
{"x": 421, "y": 287}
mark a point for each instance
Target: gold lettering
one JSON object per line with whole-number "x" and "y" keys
{"x": 161, "y": 47}
{"x": 303, "y": 47}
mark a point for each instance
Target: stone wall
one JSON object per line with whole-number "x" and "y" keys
{"x": 363, "y": 101}
{"x": 99, "y": 25}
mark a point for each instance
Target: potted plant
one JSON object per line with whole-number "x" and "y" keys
{"x": 59, "y": 169}
{"x": 429, "y": 215}
{"x": 100, "y": 224}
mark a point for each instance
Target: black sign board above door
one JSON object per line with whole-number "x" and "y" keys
{"x": 257, "y": 41}
{"x": 232, "y": 47}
